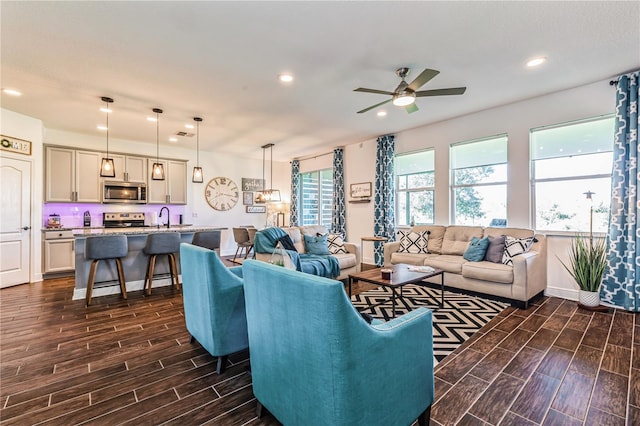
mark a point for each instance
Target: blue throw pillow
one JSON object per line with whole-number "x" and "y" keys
{"x": 477, "y": 249}
{"x": 316, "y": 245}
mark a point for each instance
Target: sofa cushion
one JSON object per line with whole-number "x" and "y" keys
{"x": 436, "y": 233}
{"x": 446, "y": 262}
{"x": 488, "y": 271}
{"x": 477, "y": 249}
{"x": 313, "y": 230}
{"x": 456, "y": 238}
{"x": 296, "y": 237}
{"x": 410, "y": 258}
{"x": 513, "y": 232}
{"x": 515, "y": 246}
{"x": 495, "y": 249}
{"x": 336, "y": 244}
{"x": 413, "y": 242}
{"x": 316, "y": 245}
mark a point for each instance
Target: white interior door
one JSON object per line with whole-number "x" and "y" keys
{"x": 15, "y": 221}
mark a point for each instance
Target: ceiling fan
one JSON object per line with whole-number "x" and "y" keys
{"x": 405, "y": 94}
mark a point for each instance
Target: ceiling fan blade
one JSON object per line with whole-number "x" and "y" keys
{"x": 380, "y": 92}
{"x": 423, "y": 78}
{"x": 441, "y": 92}
{"x": 374, "y": 106}
{"x": 411, "y": 108}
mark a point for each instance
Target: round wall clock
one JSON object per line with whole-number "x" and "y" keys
{"x": 221, "y": 193}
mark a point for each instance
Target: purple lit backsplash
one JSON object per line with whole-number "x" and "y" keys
{"x": 72, "y": 215}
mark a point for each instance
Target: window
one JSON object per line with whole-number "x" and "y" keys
{"x": 415, "y": 183}
{"x": 316, "y": 190}
{"x": 479, "y": 182}
{"x": 567, "y": 161}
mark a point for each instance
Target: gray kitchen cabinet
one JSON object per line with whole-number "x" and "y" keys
{"x": 72, "y": 175}
{"x": 129, "y": 168}
{"x": 171, "y": 190}
{"x": 59, "y": 251}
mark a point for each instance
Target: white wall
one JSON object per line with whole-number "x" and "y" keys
{"x": 30, "y": 129}
{"x": 516, "y": 120}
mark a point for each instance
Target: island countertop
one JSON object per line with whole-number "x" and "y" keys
{"x": 88, "y": 232}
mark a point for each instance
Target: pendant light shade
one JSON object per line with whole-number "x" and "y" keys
{"x": 197, "y": 170}
{"x": 107, "y": 168}
{"x": 268, "y": 195}
{"x": 157, "y": 171}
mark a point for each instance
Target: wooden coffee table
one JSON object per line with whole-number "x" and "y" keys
{"x": 400, "y": 277}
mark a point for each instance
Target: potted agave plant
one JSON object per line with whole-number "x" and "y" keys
{"x": 587, "y": 264}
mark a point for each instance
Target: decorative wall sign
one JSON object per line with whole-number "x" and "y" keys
{"x": 247, "y": 198}
{"x": 256, "y": 209}
{"x": 360, "y": 190}
{"x": 19, "y": 146}
{"x": 251, "y": 184}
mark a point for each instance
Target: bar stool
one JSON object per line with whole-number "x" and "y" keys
{"x": 207, "y": 239}
{"x": 104, "y": 248}
{"x": 160, "y": 244}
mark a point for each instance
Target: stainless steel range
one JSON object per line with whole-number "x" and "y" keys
{"x": 123, "y": 220}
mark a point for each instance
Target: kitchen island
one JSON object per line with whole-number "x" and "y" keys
{"x": 134, "y": 264}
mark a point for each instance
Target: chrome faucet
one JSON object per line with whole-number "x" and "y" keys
{"x": 168, "y": 216}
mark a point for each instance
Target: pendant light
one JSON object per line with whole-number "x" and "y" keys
{"x": 157, "y": 171}
{"x": 107, "y": 168}
{"x": 268, "y": 195}
{"x": 197, "y": 170}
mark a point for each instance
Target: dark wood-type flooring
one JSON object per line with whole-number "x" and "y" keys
{"x": 130, "y": 362}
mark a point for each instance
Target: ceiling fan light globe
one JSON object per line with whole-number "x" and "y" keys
{"x": 404, "y": 99}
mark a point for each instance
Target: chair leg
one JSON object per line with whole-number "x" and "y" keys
{"x": 192, "y": 339}
{"x": 151, "y": 266}
{"x": 261, "y": 410}
{"x": 90, "y": 281}
{"x": 146, "y": 274}
{"x": 425, "y": 417}
{"x": 174, "y": 271}
{"x": 222, "y": 364}
{"x": 123, "y": 286}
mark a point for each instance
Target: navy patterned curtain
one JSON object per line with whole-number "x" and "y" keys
{"x": 621, "y": 283}
{"x": 383, "y": 213}
{"x": 295, "y": 191}
{"x": 339, "y": 213}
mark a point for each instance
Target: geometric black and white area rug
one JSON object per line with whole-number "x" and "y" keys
{"x": 461, "y": 316}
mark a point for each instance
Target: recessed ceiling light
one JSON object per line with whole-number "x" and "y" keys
{"x": 173, "y": 139}
{"x": 189, "y": 126}
{"x": 107, "y": 110}
{"x": 102, "y": 127}
{"x": 381, "y": 113}
{"x": 152, "y": 119}
{"x": 536, "y": 61}
{"x": 285, "y": 77}
{"x": 12, "y": 92}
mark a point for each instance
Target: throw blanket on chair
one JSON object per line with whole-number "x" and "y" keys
{"x": 266, "y": 241}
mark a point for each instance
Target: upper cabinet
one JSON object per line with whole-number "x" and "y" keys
{"x": 72, "y": 175}
{"x": 171, "y": 190}
{"x": 129, "y": 168}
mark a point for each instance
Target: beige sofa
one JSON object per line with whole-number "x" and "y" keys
{"x": 349, "y": 262}
{"x": 446, "y": 245}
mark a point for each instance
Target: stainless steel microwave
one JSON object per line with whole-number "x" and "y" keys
{"x": 124, "y": 192}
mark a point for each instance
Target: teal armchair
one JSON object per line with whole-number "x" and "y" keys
{"x": 316, "y": 361}
{"x": 213, "y": 303}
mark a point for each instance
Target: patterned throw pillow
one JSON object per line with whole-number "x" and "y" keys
{"x": 336, "y": 244}
{"x": 515, "y": 246}
{"x": 413, "y": 242}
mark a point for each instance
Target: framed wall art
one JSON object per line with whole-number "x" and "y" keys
{"x": 247, "y": 198}
{"x": 360, "y": 190}
{"x": 256, "y": 209}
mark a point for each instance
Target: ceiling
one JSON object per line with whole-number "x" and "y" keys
{"x": 220, "y": 61}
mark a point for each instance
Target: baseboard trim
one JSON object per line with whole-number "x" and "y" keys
{"x": 564, "y": 293}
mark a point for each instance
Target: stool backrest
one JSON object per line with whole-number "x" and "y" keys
{"x": 207, "y": 239}
{"x": 106, "y": 247}
{"x": 162, "y": 243}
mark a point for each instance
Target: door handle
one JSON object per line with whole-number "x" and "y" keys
{"x": 26, "y": 228}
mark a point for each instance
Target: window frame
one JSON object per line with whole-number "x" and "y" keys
{"x": 575, "y": 178}
{"x": 452, "y": 175}
{"x": 409, "y": 191}
{"x": 321, "y": 198}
